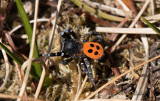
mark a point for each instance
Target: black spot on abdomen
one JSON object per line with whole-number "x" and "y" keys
{"x": 90, "y": 51}
{"x": 95, "y": 53}
{"x": 92, "y": 45}
{"x": 97, "y": 47}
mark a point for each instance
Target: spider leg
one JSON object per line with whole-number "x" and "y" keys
{"x": 98, "y": 38}
{"x": 83, "y": 67}
{"x": 65, "y": 35}
{"x": 90, "y": 34}
{"x": 88, "y": 70}
{"x": 68, "y": 60}
{"x": 56, "y": 54}
{"x": 68, "y": 34}
{"x": 71, "y": 32}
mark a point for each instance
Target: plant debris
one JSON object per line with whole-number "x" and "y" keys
{"x": 67, "y": 82}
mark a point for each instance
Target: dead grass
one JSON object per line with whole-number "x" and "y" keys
{"x": 124, "y": 73}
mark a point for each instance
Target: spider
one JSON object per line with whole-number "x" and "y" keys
{"x": 73, "y": 48}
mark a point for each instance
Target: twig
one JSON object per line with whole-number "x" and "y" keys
{"x": 126, "y": 30}
{"x": 151, "y": 95}
{"x": 19, "y": 26}
{"x": 132, "y": 24}
{"x": 54, "y": 26}
{"x": 142, "y": 83}
{"x": 152, "y": 6}
{"x": 123, "y": 5}
{"x": 153, "y": 17}
{"x": 14, "y": 50}
{"x": 121, "y": 24}
{"x": 23, "y": 67}
{"x": 80, "y": 91}
{"x": 79, "y": 78}
{"x": 10, "y": 41}
{"x": 40, "y": 83}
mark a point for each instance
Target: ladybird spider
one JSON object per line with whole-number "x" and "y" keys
{"x": 73, "y": 48}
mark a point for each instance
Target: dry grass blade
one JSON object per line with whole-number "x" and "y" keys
{"x": 15, "y": 97}
{"x": 79, "y": 78}
{"x": 40, "y": 83}
{"x": 142, "y": 83}
{"x": 23, "y": 67}
{"x": 132, "y": 24}
{"x": 7, "y": 70}
{"x": 123, "y": 74}
{"x": 153, "y": 17}
{"x": 80, "y": 91}
{"x": 126, "y": 30}
{"x": 32, "y": 21}
{"x": 153, "y": 6}
{"x": 52, "y": 36}
{"x": 54, "y": 26}
{"x": 123, "y": 5}
{"x": 28, "y": 29}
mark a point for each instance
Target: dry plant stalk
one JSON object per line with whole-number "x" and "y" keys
{"x": 132, "y": 24}
{"x": 81, "y": 89}
{"x": 126, "y": 30}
